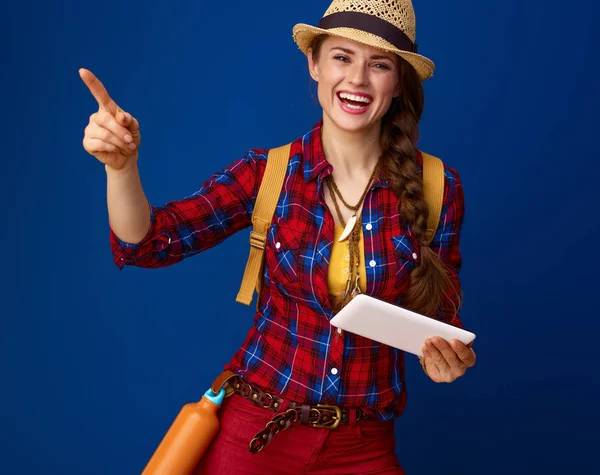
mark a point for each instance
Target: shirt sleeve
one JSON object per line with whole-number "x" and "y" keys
{"x": 183, "y": 228}
{"x": 446, "y": 244}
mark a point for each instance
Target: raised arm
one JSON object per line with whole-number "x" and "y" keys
{"x": 150, "y": 236}
{"x": 113, "y": 137}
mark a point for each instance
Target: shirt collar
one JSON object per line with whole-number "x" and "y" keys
{"x": 315, "y": 161}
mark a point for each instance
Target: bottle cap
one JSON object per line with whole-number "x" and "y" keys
{"x": 215, "y": 398}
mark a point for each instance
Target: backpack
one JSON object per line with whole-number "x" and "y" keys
{"x": 268, "y": 196}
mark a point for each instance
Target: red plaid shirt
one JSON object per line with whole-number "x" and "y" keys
{"x": 292, "y": 349}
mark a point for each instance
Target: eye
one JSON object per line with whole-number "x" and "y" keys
{"x": 341, "y": 58}
{"x": 382, "y": 66}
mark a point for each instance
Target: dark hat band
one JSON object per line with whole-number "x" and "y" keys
{"x": 370, "y": 24}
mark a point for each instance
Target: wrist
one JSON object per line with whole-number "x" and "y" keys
{"x": 130, "y": 166}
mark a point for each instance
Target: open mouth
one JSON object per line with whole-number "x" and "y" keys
{"x": 353, "y": 101}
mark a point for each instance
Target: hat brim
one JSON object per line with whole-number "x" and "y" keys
{"x": 304, "y": 35}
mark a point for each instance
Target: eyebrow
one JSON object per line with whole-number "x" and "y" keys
{"x": 349, "y": 51}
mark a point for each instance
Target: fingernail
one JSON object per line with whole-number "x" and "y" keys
{"x": 438, "y": 341}
{"x": 128, "y": 138}
{"x": 132, "y": 146}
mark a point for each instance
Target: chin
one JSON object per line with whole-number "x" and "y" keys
{"x": 353, "y": 124}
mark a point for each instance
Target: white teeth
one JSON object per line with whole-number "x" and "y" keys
{"x": 352, "y": 97}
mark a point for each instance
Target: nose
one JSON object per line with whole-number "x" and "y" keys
{"x": 357, "y": 74}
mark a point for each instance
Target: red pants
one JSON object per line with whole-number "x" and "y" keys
{"x": 365, "y": 447}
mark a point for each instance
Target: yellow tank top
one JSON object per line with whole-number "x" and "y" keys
{"x": 338, "y": 264}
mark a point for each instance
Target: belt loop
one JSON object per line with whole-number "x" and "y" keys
{"x": 304, "y": 414}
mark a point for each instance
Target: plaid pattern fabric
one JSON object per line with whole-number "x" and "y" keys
{"x": 292, "y": 349}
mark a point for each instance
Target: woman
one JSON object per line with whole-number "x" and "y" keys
{"x": 355, "y": 175}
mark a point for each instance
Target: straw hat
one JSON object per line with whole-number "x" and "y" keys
{"x": 386, "y": 24}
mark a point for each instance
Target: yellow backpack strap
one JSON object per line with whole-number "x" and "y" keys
{"x": 433, "y": 188}
{"x": 264, "y": 207}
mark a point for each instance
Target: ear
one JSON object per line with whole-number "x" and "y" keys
{"x": 313, "y": 67}
{"x": 398, "y": 90}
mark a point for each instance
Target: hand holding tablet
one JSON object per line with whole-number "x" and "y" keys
{"x": 394, "y": 326}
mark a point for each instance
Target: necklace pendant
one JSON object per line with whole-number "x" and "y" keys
{"x": 349, "y": 228}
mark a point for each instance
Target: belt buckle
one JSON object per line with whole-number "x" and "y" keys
{"x": 338, "y": 416}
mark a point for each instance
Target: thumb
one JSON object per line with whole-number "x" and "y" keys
{"x": 123, "y": 118}
{"x": 128, "y": 121}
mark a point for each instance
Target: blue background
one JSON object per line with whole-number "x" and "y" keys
{"x": 96, "y": 363}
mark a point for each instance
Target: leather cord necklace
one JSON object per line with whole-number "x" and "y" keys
{"x": 351, "y": 231}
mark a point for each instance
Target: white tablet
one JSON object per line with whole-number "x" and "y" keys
{"x": 394, "y": 326}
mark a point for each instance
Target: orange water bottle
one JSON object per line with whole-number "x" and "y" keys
{"x": 189, "y": 436}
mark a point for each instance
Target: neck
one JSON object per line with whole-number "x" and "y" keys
{"x": 352, "y": 154}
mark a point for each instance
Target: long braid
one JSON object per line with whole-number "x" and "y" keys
{"x": 431, "y": 286}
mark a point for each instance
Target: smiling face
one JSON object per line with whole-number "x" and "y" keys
{"x": 356, "y": 83}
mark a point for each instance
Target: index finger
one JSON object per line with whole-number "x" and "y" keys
{"x": 98, "y": 91}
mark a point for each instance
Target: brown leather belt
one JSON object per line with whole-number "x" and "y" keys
{"x": 324, "y": 416}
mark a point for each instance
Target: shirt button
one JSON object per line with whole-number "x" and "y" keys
{"x": 334, "y": 371}
{"x": 339, "y": 330}
{"x": 415, "y": 255}
{"x": 372, "y": 263}
{"x": 369, "y": 227}
{"x": 277, "y": 245}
